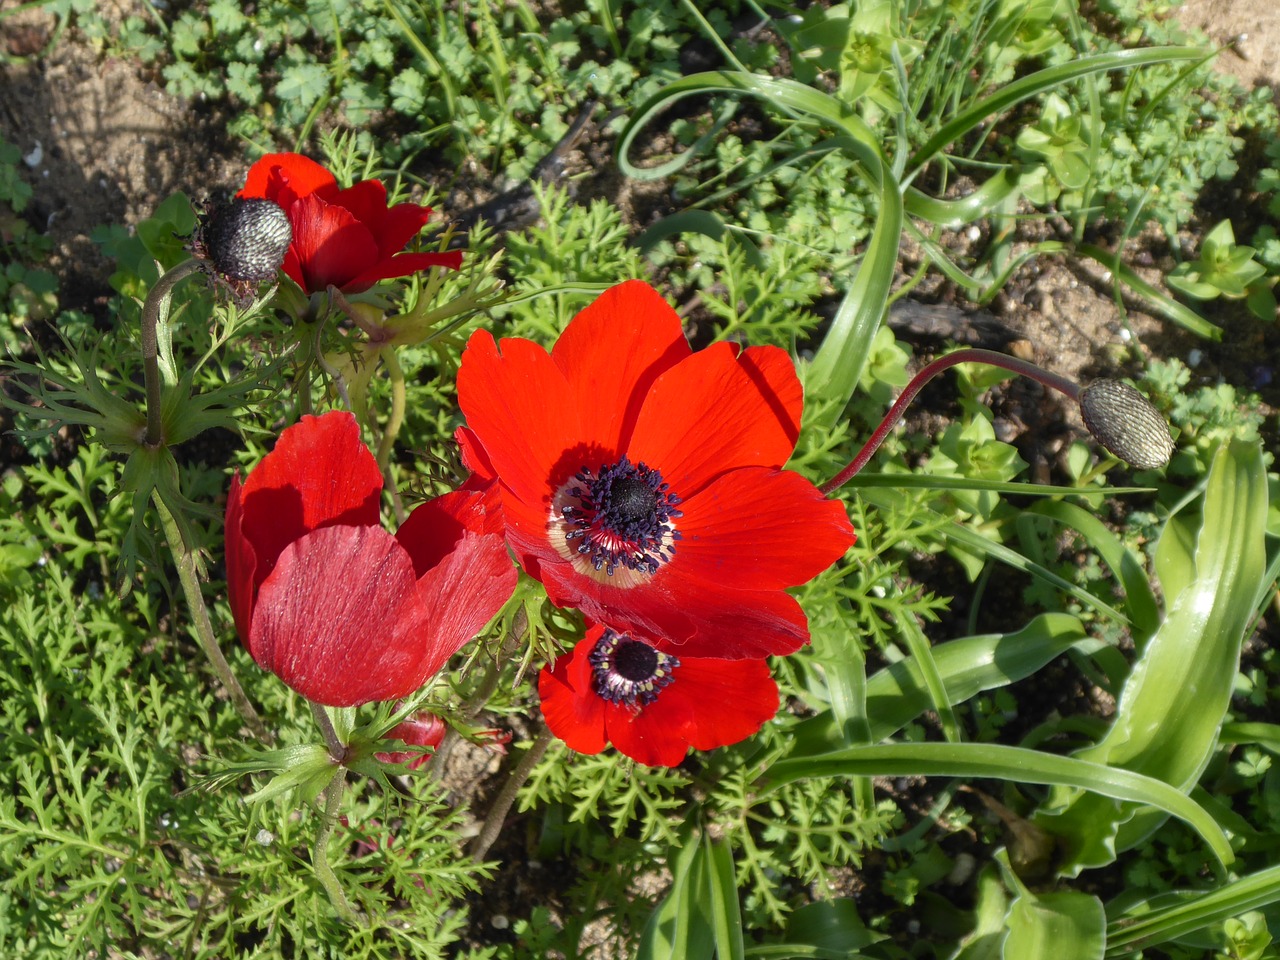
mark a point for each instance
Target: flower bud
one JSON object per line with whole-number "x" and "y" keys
{"x": 247, "y": 239}
{"x": 1124, "y": 421}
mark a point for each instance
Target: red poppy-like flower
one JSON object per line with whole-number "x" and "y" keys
{"x": 347, "y": 238}
{"x": 642, "y": 482}
{"x": 325, "y": 598}
{"x": 651, "y": 705}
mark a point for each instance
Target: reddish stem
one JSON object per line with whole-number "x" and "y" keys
{"x": 927, "y": 373}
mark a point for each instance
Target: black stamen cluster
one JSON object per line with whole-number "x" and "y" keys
{"x": 628, "y": 672}
{"x": 633, "y": 504}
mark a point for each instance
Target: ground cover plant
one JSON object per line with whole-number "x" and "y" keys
{"x": 382, "y": 584}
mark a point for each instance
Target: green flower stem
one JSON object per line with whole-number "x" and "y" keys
{"x": 320, "y": 856}
{"x": 392, "y": 430}
{"x": 476, "y": 703}
{"x": 990, "y": 357}
{"x": 497, "y": 815}
{"x": 337, "y": 749}
{"x": 157, "y": 305}
{"x": 185, "y": 560}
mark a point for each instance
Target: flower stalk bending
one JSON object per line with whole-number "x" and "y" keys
{"x": 1117, "y": 415}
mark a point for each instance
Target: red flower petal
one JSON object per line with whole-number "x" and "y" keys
{"x": 401, "y": 265}
{"x": 519, "y": 405}
{"x": 612, "y": 352}
{"x": 332, "y": 245}
{"x": 303, "y": 176}
{"x": 464, "y": 591}
{"x": 687, "y": 616}
{"x": 241, "y": 561}
{"x": 760, "y": 529}
{"x": 473, "y": 455}
{"x": 435, "y": 527}
{"x": 367, "y": 201}
{"x": 342, "y": 619}
{"x": 729, "y": 699}
{"x": 573, "y": 711}
{"x": 707, "y": 415}
{"x": 423, "y": 730}
{"x": 392, "y": 227}
{"x": 774, "y": 374}
{"x": 320, "y": 473}
{"x": 657, "y": 735}
{"x": 399, "y": 225}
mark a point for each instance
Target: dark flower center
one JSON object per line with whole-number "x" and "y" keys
{"x": 623, "y": 517}
{"x": 628, "y": 672}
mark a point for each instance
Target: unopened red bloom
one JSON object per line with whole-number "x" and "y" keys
{"x": 642, "y": 482}
{"x": 346, "y": 238}
{"x": 652, "y": 705}
{"x": 421, "y": 730}
{"x": 325, "y": 598}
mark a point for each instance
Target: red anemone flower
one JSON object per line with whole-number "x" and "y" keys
{"x": 334, "y": 605}
{"x": 641, "y": 482}
{"x": 652, "y": 706}
{"x": 347, "y": 238}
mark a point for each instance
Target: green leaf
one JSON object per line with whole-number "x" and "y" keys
{"x": 1000, "y": 762}
{"x": 1065, "y": 924}
{"x": 304, "y": 83}
{"x": 678, "y": 926}
{"x": 1126, "y": 566}
{"x": 1197, "y": 911}
{"x": 837, "y": 366}
{"x": 896, "y": 695}
{"x": 722, "y": 897}
{"x": 1043, "y": 80}
{"x": 1174, "y": 702}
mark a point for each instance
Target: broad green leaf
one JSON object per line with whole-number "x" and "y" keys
{"x": 1066, "y": 924}
{"x": 896, "y": 695}
{"x": 678, "y": 926}
{"x": 1176, "y": 697}
{"x": 984, "y": 941}
{"x": 721, "y": 893}
{"x": 1000, "y": 762}
{"x": 827, "y": 928}
{"x": 700, "y": 916}
{"x": 303, "y": 82}
{"x": 1056, "y": 925}
{"x": 1129, "y": 933}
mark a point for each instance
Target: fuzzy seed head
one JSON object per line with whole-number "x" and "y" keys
{"x": 247, "y": 238}
{"x": 1124, "y": 421}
